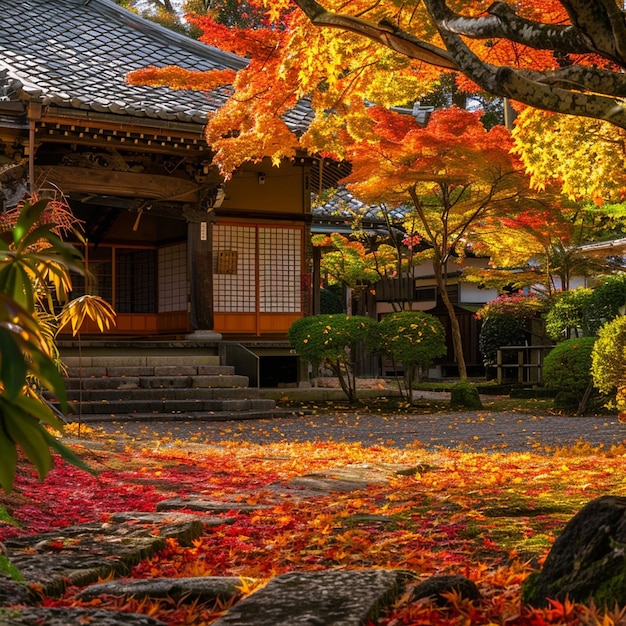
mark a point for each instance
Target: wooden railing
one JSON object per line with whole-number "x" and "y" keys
{"x": 529, "y": 363}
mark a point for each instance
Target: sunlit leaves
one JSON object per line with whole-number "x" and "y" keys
{"x": 484, "y": 515}
{"x": 84, "y": 307}
{"x": 35, "y": 265}
{"x": 348, "y": 262}
{"x": 178, "y": 78}
{"x": 585, "y": 156}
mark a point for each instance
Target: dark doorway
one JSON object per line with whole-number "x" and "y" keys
{"x": 278, "y": 370}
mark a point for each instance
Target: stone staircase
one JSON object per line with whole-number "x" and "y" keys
{"x": 156, "y": 381}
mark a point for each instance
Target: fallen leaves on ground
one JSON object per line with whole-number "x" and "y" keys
{"x": 489, "y": 516}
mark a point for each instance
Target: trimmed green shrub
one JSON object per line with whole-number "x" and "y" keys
{"x": 567, "y": 367}
{"x": 608, "y": 362}
{"x": 567, "y": 313}
{"x": 332, "y": 341}
{"x": 465, "y": 395}
{"x": 413, "y": 338}
{"x": 609, "y": 295}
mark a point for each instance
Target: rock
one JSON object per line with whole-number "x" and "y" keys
{"x": 62, "y": 617}
{"x": 12, "y": 592}
{"x": 172, "y": 517}
{"x": 330, "y": 598}
{"x": 351, "y": 477}
{"x": 436, "y": 586}
{"x": 587, "y": 561}
{"x": 208, "y": 506}
{"x": 81, "y": 554}
{"x": 204, "y": 588}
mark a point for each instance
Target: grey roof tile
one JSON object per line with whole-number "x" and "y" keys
{"x": 75, "y": 54}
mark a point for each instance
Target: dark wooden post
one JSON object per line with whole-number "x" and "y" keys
{"x": 200, "y": 255}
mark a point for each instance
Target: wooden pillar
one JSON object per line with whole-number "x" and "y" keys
{"x": 200, "y": 256}
{"x": 315, "y": 281}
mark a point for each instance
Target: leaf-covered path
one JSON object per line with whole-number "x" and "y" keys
{"x": 323, "y": 505}
{"x": 479, "y": 431}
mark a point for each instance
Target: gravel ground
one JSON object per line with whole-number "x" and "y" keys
{"x": 472, "y": 430}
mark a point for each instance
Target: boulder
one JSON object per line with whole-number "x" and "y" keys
{"x": 437, "y": 586}
{"x": 587, "y": 561}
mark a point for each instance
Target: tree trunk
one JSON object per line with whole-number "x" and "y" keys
{"x": 457, "y": 341}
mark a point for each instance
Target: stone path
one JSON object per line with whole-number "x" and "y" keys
{"x": 81, "y": 555}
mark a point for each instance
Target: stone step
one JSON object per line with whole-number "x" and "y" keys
{"x": 149, "y": 370}
{"x": 172, "y": 407}
{"x": 158, "y": 382}
{"x": 166, "y": 393}
{"x": 184, "y": 416}
{"x": 139, "y": 360}
{"x": 208, "y": 407}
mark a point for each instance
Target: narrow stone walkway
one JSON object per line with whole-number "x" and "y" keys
{"x": 83, "y": 554}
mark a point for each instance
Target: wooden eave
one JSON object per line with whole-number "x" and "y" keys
{"x": 123, "y": 135}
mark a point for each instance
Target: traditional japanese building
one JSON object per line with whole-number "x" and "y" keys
{"x": 174, "y": 249}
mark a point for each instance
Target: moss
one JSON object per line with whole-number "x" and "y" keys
{"x": 611, "y": 591}
{"x": 529, "y": 589}
{"x": 464, "y": 394}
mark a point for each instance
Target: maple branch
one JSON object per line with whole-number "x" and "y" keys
{"x": 525, "y": 86}
{"x": 601, "y": 23}
{"x": 597, "y": 27}
{"x": 578, "y": 77}
{"x": 503, "y": 22}
{"x": 385, "y": 33}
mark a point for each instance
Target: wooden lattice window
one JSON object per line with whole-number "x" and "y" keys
{"x": 226, "y": 262}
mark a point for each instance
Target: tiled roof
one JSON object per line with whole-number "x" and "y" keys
{"x": 75, "y": 54}
{"x": 342, "y": 204}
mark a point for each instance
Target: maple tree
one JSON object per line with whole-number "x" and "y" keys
{"x": 349, "y": 263}
{"x": 564, "y": 56}
{"x": 560, "y": 56}
{"x": 171, "y": 13}
{"x": 448, "y": 176}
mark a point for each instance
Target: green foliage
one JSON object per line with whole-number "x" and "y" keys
{"x": 499, "y": 331}
{"x": 609, "y": 295}
{"x": 567, "y": 367}
{"x": 331, "y": 300}
{"x": 585, "y": 310}
{"x": 567, "y": 314}
{"x": 32, "y": 258}
{"x": 464, "y": 394}
{"x": 608, "y": 362}
{"x": 332, "y": 341}
{"x": 412, "y": 338}
{"x": 6, "y": 567}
